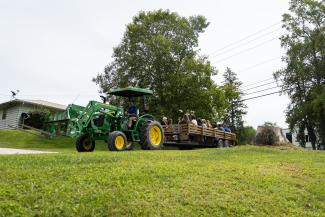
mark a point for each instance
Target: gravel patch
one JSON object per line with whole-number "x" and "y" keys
{"x": 22, "y": 151}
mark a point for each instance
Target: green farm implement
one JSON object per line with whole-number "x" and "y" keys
{"x": 101, "y": 121}
{"x": 60, "y": 123}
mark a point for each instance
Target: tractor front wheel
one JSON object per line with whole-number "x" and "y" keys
{"x": 117, "y": 141}
{"x": 152, "y": 136}
{"x": 85, "y": 144}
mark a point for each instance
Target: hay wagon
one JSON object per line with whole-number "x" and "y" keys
{"x": 187, "y": 136}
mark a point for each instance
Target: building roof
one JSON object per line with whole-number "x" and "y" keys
{"x": 41, "y": 103}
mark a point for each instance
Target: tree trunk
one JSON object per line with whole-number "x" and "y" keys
{"x": 312, "y": 136}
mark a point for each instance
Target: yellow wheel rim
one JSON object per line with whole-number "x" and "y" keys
{"x": 119, "y": 142}
{"x": 155, "y": 135}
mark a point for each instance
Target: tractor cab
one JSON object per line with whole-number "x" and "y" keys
{"x": 131, "y": 93}
{"x": 132, "y": 112}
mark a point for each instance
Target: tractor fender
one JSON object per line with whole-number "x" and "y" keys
{"x": 142, "y": 119}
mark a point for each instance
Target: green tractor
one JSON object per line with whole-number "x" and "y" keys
{"x": 101, "y": 121}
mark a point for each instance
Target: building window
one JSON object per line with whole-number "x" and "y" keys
{"x": 4, "y": 114}
{"x": 307, "y": 138}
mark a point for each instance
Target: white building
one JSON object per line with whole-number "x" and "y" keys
{"x": 292, "y": 137}
{"x": 11, "y": 111}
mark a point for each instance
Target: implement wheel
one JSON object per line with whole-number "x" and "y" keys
{"x": 85, "y": 144}
{"x": 151, "y": 136}
{"x": 117, "y": 141}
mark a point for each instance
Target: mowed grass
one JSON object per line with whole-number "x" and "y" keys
{"x": 240, "y": 181}
{"x": 33, "y": 140}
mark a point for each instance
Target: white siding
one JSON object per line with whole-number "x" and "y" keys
{"x": 14, "y": 113}
{"x": 13, "y": 116}
{"x": 11, "y": 120}
{"x": 295, "y": 139}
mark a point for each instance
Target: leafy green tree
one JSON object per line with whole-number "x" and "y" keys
{"x": 246, "y": 135}
{"x": 303, "y": 77}
{"x": 159, "y": 51}
{"x": 235, "y": 107}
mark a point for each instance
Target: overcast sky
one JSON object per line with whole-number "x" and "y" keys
{"x": 51, "y": 50}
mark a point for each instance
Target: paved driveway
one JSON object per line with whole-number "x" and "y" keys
{"x": 21, "y": 151}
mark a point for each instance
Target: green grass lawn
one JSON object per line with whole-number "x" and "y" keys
{"x": 24, "y": 140}
{"x": 241, "y": 181}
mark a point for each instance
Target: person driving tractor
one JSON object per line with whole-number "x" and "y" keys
{"x": 132, "y": 113}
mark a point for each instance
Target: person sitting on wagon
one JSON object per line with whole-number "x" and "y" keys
{"x": 185, "y": 119}
{"x": 199, "y": 122}
{"x": 204, "y": 123}
{"x": 227, "y": 129}
{"x": 164, "y": 121}
{"x": 193, "y": 120}
{"x": 219, "y": 127}
{"x": 209, "y": 125}
{"x": 132, "y": 113}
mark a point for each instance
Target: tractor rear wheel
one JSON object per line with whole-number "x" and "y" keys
{"x": 85, "y": 144}
{"x": 151, "y": 136}
{"x": 117, "y": 141}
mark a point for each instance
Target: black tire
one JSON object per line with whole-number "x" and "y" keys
{"x": 129, "y": 145}
{"x": 117, "y": 141}
{"x": 216, "y": 143}
{"x": 156, "y": 140}
{"x": 220, "y": 143}
{"x": 85, "y": 144}
{"x": 185, "y": 148}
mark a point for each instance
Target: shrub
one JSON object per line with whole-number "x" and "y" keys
{"x": 246, "y": 135}
{"x": 37, "y": 119}
{"x": 267, "y": 136}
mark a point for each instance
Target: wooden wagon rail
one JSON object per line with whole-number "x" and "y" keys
{"x": 189, "y": 133}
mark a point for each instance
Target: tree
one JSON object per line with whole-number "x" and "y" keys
{"x": 235, "y": 108}
{"x": 267, "y": 136}
{"x": 246, "y": 135}
{"x": 303, "y": 77}
{"x": 159, "y": 51}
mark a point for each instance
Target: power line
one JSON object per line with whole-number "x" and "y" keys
{"x": 243, "y": 44}
{"x": 258, "y": 82}
{"x": 246, "y": 37}
{"x": 262, "y": 95}
{"x": 248, "y": 49}
{"x": 260, "y": 91}
{"x": 258, "y": 64}
{"x": 260, "y": 85}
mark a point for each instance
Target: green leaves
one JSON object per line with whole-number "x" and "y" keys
{"x": 158, "y": 51}
{"x": 235, "y": 108}
{"x": 304, "y": 74}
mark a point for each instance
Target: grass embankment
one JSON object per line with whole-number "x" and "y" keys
{"x": 32, "y": 140}
{"x": 241, "y": 181}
